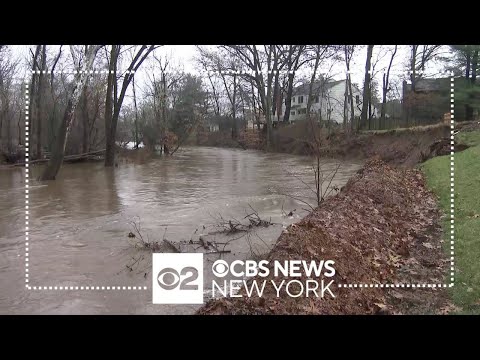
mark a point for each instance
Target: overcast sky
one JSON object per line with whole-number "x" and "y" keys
{"x": 183, "y": 56}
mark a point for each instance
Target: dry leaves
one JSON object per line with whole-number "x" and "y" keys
{"x": 382, "y": 227}
{"x": 448, "y": 309}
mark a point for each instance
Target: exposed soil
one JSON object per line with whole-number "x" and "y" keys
{"x": 382, "y": 228}
{"x": 401, "y": 147}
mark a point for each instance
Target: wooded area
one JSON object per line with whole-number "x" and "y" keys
{"x": 72, "y": 111}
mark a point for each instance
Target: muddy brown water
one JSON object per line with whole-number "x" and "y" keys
{"x": 79, "y": 223}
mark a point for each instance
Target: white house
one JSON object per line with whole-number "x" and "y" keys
{"x": 328, "y": 103}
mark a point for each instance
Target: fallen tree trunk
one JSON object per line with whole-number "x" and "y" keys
{"x": 65, "y": 159}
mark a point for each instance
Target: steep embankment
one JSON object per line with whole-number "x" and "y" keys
{"x": 382, "y": 228}
{"x": 400, "y": 147}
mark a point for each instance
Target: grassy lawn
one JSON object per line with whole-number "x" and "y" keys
{"x": 466, "y": 292}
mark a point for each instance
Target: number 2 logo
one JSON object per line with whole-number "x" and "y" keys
{"x": 169, "y": 278}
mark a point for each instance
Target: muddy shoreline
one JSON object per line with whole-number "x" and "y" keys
{"x": 402, "y": 147}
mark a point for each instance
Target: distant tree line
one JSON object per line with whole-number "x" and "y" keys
{"x": 235, "y": 86}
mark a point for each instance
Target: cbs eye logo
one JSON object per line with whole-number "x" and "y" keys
{"x": 177, "y": 278}
{"x": 169, "y": 278}
{"x": 220, "y": 268}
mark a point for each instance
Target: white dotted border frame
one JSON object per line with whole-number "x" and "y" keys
{"x": 27, "y": 233}
{"x": 228, "y": 72}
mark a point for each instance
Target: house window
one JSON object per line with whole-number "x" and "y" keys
{"x": 317, "y": 100}
{"x": 300, "y": 99}
{"x": 293, "y": 99}
{"x": 302, "y": 111}
{"x": 292, "y": 112}
{"x": 357, "y": 99}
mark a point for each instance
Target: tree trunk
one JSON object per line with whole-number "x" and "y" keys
{"x": 164, "y": 114}
{"x": 234, "y": 109}
{"x": 468, "y": 64}
{"x": 471, "y": 84}
{"x": 33, "y": 94}
{"x": 39, "y": 103}
{"x": 276, "y": 95}
{"x": 413, "y": 67}
{"x": 109, "y": 138}
{"x": 345, "y": 105}
{"x": 352, "y": 108}
{"x": 384, "y": 100}
{"x": 349, "y": 85}
{"x": 268, "y": 107}
{"x": 386, "y": 80}
{"x": 65, "y": 127}
{"x": 288, "y": 100}
{"x": 265, "y": 97}
{"x": 312, "y": 82}
{"x": 468, "y": 109}
{"x": 19, "y": 128}
{"x": 366, "y": 88}
{"x": 136, "y": 113}
{"x": 86, "y": 127}
{"x": 474, "y": 67}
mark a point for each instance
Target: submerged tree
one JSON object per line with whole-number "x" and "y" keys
{"x": 66, "y": 123}
{"x": 115, "y": 96}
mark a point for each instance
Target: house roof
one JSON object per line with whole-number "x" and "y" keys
{"x": 428, "y": 85}
{"x": 304, "y": 88}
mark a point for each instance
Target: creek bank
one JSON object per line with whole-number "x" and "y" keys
{"x": 382, "y": 228}
{"x": 400, "y": 147}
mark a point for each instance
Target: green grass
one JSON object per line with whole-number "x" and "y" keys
{"x": 470, "y": 138}
{"x": 466, "y": 291}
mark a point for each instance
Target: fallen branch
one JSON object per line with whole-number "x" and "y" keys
{"x": 65, "y": 159}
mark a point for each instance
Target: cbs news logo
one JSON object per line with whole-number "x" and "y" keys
{"x": 177, "y": 278}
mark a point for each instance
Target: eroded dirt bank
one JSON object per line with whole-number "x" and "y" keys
{"x": 382, "y": 228}
{"x": 401, "y": 147}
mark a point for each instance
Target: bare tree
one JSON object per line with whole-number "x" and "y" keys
{"x": 254, "y": 59}
{"x": 39, "y": 100}
{"x": 136, "y": 112}
{"x": 386, "y": 87}
{"x": 366, "y": 87}
{"x": 420, "y": 55}
{"x": 34, "y": 90}
{"x": 348, "y": 52}
{"x": 114, "y": 98}
{"x": 162, "y": 93}
{"x": 205, "y": 62}
{"x": 9, "y": 98}
{"x": 293, "y": 63}
{"x": 65, "y": 127}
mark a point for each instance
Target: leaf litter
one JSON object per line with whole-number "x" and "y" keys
{"x": 376, "y": 230}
